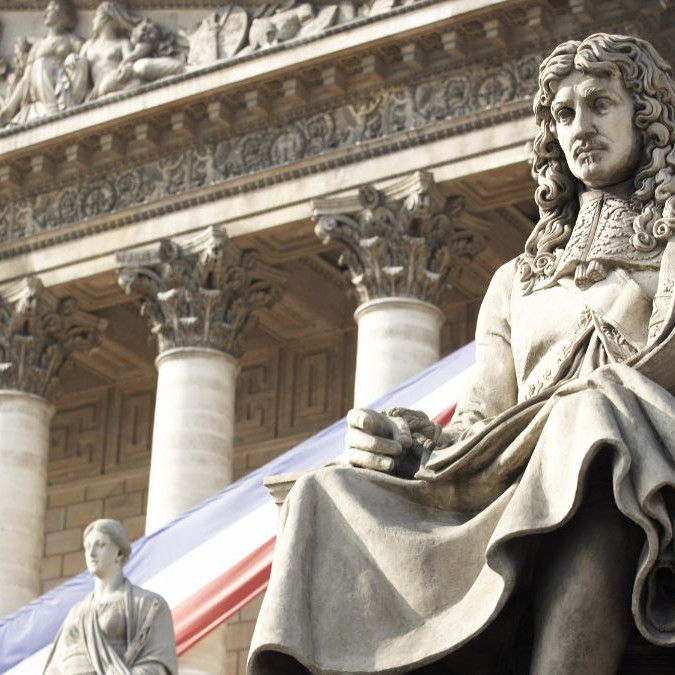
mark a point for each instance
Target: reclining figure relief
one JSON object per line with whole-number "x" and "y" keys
{"x": 543, "y": 514}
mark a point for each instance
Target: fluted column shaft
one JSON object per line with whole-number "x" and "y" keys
{"x": 24, "y": 447}
{"x": 398, "y": 337}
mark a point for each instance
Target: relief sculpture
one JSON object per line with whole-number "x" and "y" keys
{"x": 126, "y": 51}
{"x": 373, "y": 117}
{"x": 36, "y": 91}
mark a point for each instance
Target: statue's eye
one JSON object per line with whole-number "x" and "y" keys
{"x": 602, "y": 104}
{"x": 564, "y": 115}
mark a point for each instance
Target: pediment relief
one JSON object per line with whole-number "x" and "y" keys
{"x": 125, "y": 50}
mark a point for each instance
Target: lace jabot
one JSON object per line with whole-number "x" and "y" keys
{"x": 601, "y": 240}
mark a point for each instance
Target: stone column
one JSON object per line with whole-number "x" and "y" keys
{"x": 37, "y": 334}
{"x": 200, "y": 297}
{"x": 401, "y": 248}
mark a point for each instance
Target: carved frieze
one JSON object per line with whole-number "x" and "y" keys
{"x": 380, "y": 115}
{"x": 402, "y": 241}
{"x": 200, "y": 293}
{"x": 38, "y": 332}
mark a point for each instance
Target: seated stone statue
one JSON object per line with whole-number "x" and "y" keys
{"x": 119, "y": 628}
{"x": 543, "y": 515}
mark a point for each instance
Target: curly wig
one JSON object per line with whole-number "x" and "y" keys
{"x": 648, "y": 78}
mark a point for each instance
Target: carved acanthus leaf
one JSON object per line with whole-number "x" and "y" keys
{"x": 200, "y": 293}
{"x": 38, "y": 332}
{"x": 402, "y": 241}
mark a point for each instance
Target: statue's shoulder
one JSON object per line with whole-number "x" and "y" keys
{"x": 145, "y": 599}
{"x": 506, "y": 274}
{"x": 503, "y": 283}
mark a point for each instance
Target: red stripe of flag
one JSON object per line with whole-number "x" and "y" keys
{"x": 222, "y": 597}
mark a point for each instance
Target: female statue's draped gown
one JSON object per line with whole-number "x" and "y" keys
{"x": 374, "y": 573}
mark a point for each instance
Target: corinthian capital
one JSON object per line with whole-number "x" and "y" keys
{"x": 38, "y": 332}
{"x": 202, "y": 292}
{"x": 399, "y": 241}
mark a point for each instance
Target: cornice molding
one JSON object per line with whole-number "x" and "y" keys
{"x": 387, "y": 120}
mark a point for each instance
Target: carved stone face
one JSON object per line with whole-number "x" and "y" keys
{"x": 100, "y": 19}
{"x": 55, "y": 13}
{"x": 101, "y": 553}
{"x": 594, "y": 124}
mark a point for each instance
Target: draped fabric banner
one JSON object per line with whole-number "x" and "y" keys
{"x": 215, "y": 558}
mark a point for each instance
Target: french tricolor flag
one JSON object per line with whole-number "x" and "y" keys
{"x": 215, "y": 558}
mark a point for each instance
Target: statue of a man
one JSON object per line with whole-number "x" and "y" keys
{"x": 543, "y": 515}
{"x": 119, "y": 628}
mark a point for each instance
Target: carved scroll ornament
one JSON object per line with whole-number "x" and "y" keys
{"x": 402, "y": 241}
{"x": 201, "y": 293}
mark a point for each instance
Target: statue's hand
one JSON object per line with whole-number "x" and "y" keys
{"x": 376, "y": 441}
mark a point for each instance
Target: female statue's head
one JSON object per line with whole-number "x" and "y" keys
{"x": 568, "y": 157}
{"x": 106, "y": 543}
{"x": 60, "y": 14}
{"x": 111, "y": 12}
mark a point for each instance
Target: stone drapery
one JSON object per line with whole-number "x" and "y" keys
{"x": 445, "y": 553}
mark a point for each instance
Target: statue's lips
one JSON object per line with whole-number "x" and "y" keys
{"x": 587, "y": 149}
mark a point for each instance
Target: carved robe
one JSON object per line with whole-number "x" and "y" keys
{"x": 377, "y": 574}
{"x": 135, "y": 639}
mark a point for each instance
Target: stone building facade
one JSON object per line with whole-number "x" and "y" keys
{"x": 209, "y": 209}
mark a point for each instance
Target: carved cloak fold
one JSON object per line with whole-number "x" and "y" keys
{"x": 376, "y": 574}
{"x": 81, "y": 647}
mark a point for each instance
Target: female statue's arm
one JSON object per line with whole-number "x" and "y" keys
{"x": 76, "y": 82}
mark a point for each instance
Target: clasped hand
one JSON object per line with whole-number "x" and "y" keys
{"x": 377, "y": 441}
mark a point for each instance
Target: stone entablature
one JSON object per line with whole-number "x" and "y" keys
{"x": 385, "y": 113}
{"x": 38, "y": 332}
{"x": 200, "y": 293}
{"x": 401, "y": 241}
{"x": 400, "y": 95}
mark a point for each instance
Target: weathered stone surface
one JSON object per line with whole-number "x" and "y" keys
{"x": 38, "y": 331}
{"x": 200, "y": 293}
{"x": 403, "y": 241}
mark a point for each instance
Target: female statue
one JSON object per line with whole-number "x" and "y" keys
{"x": 546, "y": 508}
{"x": 37, "y": 92}
{"x": 100, "y": 57}
{"x": 119, "y": 628}
{"x": 124, "y": 53}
